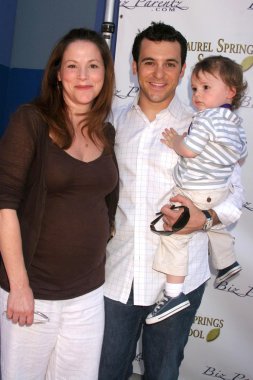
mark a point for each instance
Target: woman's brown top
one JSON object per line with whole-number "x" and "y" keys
{"x": 63, "y": 206}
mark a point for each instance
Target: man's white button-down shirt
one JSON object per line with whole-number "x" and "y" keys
{"x": 146, "y": 167}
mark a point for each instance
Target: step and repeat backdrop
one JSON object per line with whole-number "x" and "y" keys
{"x": 220, "y": 342}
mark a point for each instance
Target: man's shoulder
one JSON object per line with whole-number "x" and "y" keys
{"x": 119, "y": 112}
{"x": 121, "y": 108}
{"x": 180, "y": 110}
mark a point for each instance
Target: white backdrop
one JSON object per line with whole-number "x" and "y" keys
{"x": 221, "y": 340}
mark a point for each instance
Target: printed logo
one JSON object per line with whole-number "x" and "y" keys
{"x": 223, "y": 47}
{"x": 130, "y": 94}
{"x": 162, "y": 6}
{"x": 234, "y": 290}
{"x": 247, "y": 63}
{"x": 247, "y": 103}
{"x": 248, "y": 206}
{"x": 212, "y": 372}
{"x": 206, "y": 328}
{"x": 251, "y": 7}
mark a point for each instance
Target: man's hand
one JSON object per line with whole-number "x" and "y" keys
{"x": 197, "y": 218}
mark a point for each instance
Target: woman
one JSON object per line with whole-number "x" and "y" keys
{"x": 58, "y": 195}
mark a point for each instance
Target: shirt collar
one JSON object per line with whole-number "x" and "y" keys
{"x": 229, "y": 106}
{"x": 174, "y": 108}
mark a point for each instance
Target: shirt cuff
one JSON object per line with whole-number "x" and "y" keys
{"x": 227, "y": 213}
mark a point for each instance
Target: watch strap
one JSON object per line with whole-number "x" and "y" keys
{"x": 209, "y": 220}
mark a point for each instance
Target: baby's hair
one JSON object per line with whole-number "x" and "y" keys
{"x": 230, "y": 72}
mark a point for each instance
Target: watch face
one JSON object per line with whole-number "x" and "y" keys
{"x": 208, "y": 224}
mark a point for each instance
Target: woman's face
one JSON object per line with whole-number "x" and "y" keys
{"x": 82, "y": 75}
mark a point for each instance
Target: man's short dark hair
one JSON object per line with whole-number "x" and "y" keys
{"x": 158, "y": 31}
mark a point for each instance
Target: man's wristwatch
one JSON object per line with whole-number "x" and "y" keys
{"x": 209, "y": 221}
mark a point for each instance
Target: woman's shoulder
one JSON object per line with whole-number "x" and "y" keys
{"x": 28, "y": 111}
{"x": 28, "y": 117}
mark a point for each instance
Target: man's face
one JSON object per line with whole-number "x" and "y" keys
{"x": 159, "y": 71}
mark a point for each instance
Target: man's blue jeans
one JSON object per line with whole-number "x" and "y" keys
{"x": 162, "y": 343}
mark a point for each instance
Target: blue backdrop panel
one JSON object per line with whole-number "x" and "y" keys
{"x": 3, "y": 86}
{"x": 23, "y": 85}
{"x": 22, "y": 58}
{"x": 7, "y": 23}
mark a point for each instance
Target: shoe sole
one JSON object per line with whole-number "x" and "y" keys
{"x": 169, "y": 313}
{"x": 228, "y": 275}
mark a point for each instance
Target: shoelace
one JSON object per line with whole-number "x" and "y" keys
{"x": 161, "y": 302}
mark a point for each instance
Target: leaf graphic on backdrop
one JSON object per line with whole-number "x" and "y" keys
{"x": 213, "y": 334}
{"x": 247, "y": 63}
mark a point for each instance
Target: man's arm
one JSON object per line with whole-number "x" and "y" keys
{"x": 226, "y": 213}
{"x": 229, "y": 211}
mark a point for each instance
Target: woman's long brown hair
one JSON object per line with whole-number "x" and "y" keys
{"x": 51, "y": 103}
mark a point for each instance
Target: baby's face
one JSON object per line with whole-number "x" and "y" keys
{"x": 209, "y": 91}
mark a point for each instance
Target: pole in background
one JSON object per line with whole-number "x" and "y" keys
{"x": 108, "y": 25}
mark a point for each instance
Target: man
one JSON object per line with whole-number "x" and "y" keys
{"x": 145, "y": 167}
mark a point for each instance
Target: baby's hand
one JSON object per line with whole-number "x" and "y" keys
{"x": 168, "y": 137}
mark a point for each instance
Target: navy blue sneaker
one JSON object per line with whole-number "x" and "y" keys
{"x": 166, "y": 307}
{"x": 226, "y": 273}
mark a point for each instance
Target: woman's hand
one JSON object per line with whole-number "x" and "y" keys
{"x": 197, "y": 218}
{"x": 20, "y": 306}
